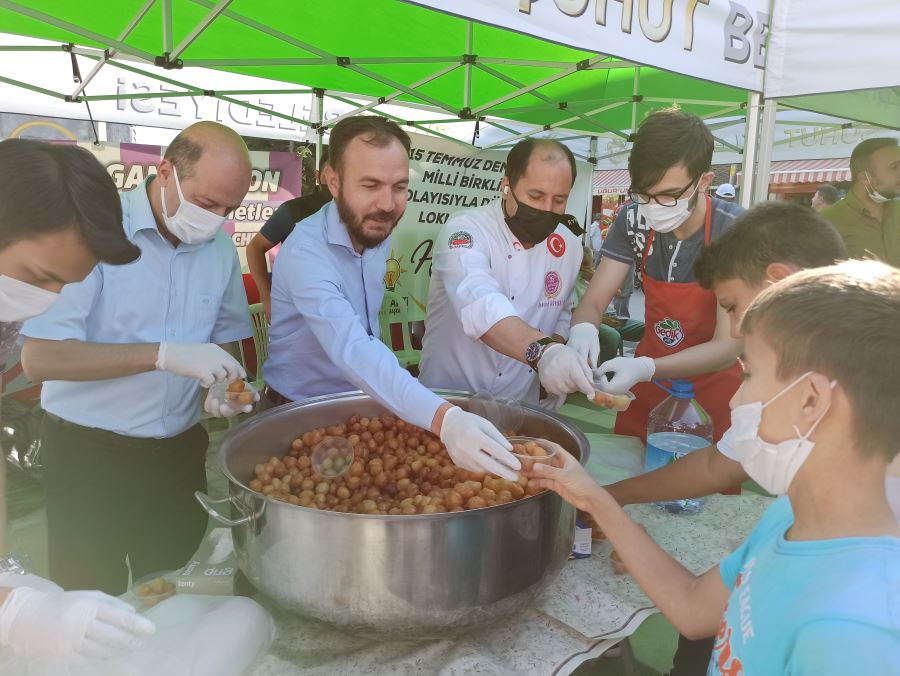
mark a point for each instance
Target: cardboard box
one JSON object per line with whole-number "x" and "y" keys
{"x": 213, "y": 568}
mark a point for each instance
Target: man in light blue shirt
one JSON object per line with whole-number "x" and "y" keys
{"x": 327, "y": 292}
{"x": 123, "y": 355}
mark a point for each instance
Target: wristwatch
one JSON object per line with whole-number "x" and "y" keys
{"x": 535, "y": 351}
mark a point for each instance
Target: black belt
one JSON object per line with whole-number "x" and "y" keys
{"x": 276, "y": 397}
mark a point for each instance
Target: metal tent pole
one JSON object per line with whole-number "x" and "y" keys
{"x": 112, "y": 52}
{"x": 467, "y": 74}
{"x": 751, "y": 138}
{"x": 199, "y": 28}
{"x": 318, "y": 118}
{"x": 764, "y": 152}
{"x": 635, "y": 93}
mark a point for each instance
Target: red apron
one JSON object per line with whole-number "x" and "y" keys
{"x": 679, "y": 316}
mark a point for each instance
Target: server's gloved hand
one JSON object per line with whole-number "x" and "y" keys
{"x": 584, "y": 338}
{"x": 206, "y": 362}
{"x": 218, "y": 405}
{"x": 13, "y": 580}
{"x": 562, "y": 370}
{"x": 476, "y": 445}
{"x": 55, "y": 623}
{"x": 623, "y": 373}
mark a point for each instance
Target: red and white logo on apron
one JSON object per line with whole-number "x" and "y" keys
{"x": 669, "y": 331}
{"x": 556, "y": 244}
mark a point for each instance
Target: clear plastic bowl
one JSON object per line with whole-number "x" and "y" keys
{"x": 524, "y": 450}
{"x": 616, "y": 402}
{"x": 332, "y": 457}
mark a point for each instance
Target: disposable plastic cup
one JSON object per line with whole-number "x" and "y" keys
{"x": 530, "y": 450}
{"x": 332, "y": 457}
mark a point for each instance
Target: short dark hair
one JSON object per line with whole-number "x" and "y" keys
{"x": 829, "y": 193}
{"x": 771, "y": 232}
{"x": 667, "y": 138}
{"x": 184, "y": 153}
{"x": 49, "y": 187}
{"x": 375, "y": 130}
{"x": 861, "y": 156}
{"x": 841, "y": 321}
{"x": 520, "y": 155}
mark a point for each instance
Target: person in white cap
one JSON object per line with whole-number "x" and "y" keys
{"x": 726, "y": 192}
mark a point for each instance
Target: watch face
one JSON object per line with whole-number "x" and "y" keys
{"x": 533, "y": 352}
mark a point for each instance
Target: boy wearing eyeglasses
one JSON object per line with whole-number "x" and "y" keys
{"x": 662, "y": 232}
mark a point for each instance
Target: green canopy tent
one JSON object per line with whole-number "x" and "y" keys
{"x": 390, "y": 51}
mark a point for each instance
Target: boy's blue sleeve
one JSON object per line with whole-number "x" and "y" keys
{"x": 839, "y": 648}
{"x": 775, "y": 520}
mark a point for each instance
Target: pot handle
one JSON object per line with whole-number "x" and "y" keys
{"x": 207, "y": 503}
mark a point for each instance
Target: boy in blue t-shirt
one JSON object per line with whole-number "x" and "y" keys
{"x": 814, "y": 589}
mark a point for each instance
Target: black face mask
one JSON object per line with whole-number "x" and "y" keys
{"x": 532, "y": 226}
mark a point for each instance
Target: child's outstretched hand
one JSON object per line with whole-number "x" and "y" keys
{"x": 565, "y": 475}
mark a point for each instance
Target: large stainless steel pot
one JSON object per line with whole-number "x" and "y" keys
{"x": 399, "y": 576}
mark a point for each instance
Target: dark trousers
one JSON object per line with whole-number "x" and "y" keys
{"x": 692, "y": 657}
{"x": 111, "y": 496}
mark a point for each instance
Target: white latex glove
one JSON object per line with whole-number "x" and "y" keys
{"x": 553, "y": 402}
{"x": 218, "y": 405}
{"x": 206, "y": 362}
{"x": 69, "y": 624}
{"x": 13, "y": 580}
{"x": 476, "y": 445}
{"x": 584, "y": 338}
{"x": 623, "y": 373}
{"x": 562, "y": 370}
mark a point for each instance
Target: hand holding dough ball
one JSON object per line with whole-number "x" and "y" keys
{"x": 237, "y": 397}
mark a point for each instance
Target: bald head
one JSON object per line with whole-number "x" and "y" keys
{"x": 213, "y": 167}
{"x": 541, "y": 151}
{"x": 204, "y": 138}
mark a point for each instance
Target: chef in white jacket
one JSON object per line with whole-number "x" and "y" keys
{"x": 500, "y": 301}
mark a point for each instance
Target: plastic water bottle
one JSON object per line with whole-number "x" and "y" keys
{"x": 676, "y": 427}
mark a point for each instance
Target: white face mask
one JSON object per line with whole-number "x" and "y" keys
{"x": 190, "y": 223}
{"x": 20, "y": 301}
{"x": 772, "y": 466}
{"x": 667, "y": 219}
{"x": 873, "y": 194}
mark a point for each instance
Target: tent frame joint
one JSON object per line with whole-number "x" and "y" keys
{"x": 469, "y": 59}
{"x": 466, "y": 114}
{"x": 343, "y": 61}
{"x": 637, "y": 98}
{"x": 166, "y": 62}
{"x": 583, "y": 65}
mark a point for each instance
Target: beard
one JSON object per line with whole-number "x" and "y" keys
{"x": 354, "y": 222}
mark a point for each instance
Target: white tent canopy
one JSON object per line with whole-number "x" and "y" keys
{"x": 837, "y": 57}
